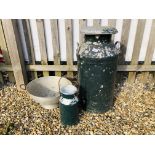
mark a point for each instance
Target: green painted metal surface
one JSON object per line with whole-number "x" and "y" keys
{"x": 69, "y": 114}
{"x": 97, "y": 80}
{"x": 97, "y": 72}
{"x": 69, "y": 107}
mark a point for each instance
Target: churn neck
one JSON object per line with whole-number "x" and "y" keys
{"x": 68, "y": 91}
{"x": 102, "y": 34}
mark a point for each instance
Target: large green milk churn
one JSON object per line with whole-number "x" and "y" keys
{"x": 97, "y": 64}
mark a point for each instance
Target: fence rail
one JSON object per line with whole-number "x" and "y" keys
{"x": 35, "y": 48}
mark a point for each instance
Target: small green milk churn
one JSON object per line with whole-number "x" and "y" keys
{"x": 97, "y": 64}
{"x": 69, "y": 112}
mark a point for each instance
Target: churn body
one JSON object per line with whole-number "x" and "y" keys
{"x": 69, "y": 106}
{"x": 97, "y": 71}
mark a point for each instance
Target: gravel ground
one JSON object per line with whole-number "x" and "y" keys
{"x": 133, "y": 113}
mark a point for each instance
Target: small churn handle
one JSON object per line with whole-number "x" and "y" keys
{"x": 59, "y": 83}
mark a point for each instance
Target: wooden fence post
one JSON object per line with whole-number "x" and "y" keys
{"x": 82, "y": 24}
{"x": 5, "y": 52}
{"x": 136, "y": 49}
{"x": 55, "y": 43}
{"x": 42, "y": 43}
{"x": 150, "y": 50}
{"x": 97, "y": 23}
{"x": 12, "y": 40}
{"x": 112, "y": 23}
{"x": 69, "y": 45}
{"x": 1, "y": 42}
{"x": 124, "y": 40}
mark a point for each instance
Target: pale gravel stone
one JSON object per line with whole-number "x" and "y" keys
{"x": 133, "y": 113}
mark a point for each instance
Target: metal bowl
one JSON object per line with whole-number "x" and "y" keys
{"x": 45, "y": 90}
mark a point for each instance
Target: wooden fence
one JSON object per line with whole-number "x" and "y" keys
{"x": 28, "y": 56}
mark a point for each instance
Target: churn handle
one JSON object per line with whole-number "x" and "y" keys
{"x": 117, "y": 43}
{"x": 59, "y": 83}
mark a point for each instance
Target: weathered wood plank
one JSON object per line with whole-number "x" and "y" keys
{"x": 42, "y": 43}
{"x": 52, "y": 67}
{"x": 122, "y": 68}
{"x": 5, "y": 52}
{"x": 29, "y": 44}
{"x": 150, "y": 50}
{"x": 97, "y": 23}
{"x": 7, "y": 68}
{"x": 55, "y": 43}
{"x": 112, "y": 23}
{"x": 137, "y": 46}
{"x": 82, "y": 24}
{"x": 124, "y": 40}
{"x": 69, "y": 44}
{"x": 2, "y": 43}
{"x": 13, "y": 42}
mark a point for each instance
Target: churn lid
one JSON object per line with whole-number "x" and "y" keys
{"x": 99, "y": 30}
{"x": 98, "y": 48}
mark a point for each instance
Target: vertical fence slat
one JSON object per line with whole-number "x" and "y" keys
{"x": 112, "y": 23}
{"x": 150, "y": 50}
{"x": 15, "y": 52}
{"x": 124, "y": 39}
{"x": 131, "y": 40}
{"x": 42, "y": 44}
{"x": 2, "y": 46}
{"x": 137, "y": 46}
{"x": 69, "y": 44}
{"x": 97, "y": 22}
{"x": 55, "y": 42}
{"x": 145, "y": 40}
{"x": 29, "y": 44}
{"x": 151, "y": 45}
{"x": 5, "y": 52}
{"x": 82, "y": 24}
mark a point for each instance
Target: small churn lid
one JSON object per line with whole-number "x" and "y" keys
{"x": 68, "y": 90}
{"x": 99, "y": 30}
